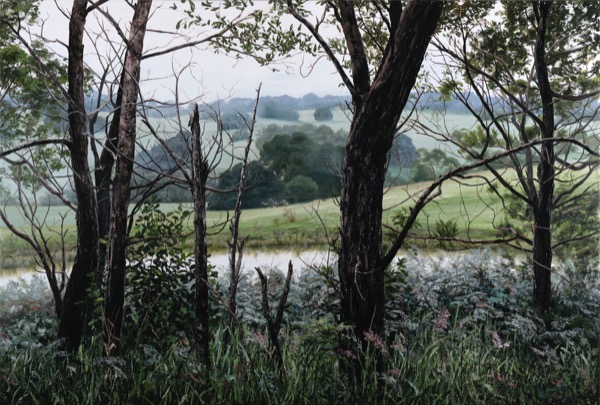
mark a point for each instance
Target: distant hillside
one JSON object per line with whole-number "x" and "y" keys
{"x": 430, "y": 101}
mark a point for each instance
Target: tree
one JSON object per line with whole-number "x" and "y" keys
{"x": 29, "y": 116}
{"x": 380, "y": 87}
{"x": 200, "y": 171}
{"x": 385, "y": 45}
{"x": 100, "y": 207}
{"x": 115, "y": 293}
{"x": 301, "y": 188}
{"x": 403, "y": 154}
{"x": 300, "y": 155}
{"x": 323, "y": 114}
{"x": 272, "y": 110}
{"x": 531, "y": 84}
{"x": 432, "y": 164}
{"x": 264, "y": 188}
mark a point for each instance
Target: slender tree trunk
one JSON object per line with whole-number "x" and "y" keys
{"x": 199, "y": 177}
{"x": 103, "y": 175}
{"x": 72, "y": 320}
{"x": 124, "y": 169}
{"x": 542, "y": 235}
{"x": 371, "y": 135}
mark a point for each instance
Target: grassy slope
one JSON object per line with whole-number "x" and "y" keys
{"x": 299, "y": 226}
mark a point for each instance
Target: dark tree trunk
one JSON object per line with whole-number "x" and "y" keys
{"x": 72, "y": 320}
{"x": 542, "y": 235}
{"x": 377, "y": 112}
{"x": 199, "y": 177}
{"x": 124, "y": 169}
{"x": 103, "y": 175}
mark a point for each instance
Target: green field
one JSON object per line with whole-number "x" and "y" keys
{"x": 303, "y": 225}
{"x": 298, "y": 226}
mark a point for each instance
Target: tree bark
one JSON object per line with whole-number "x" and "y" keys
{"x": 121, "y": 194}
{"x": 103, "y": 174}
{"x": 72, "y": 320}
{"x": 542, "y": 210}
{"x": 371, "y": 135}
{"x": 199, "y": 177}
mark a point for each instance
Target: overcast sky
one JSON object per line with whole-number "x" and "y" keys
{"x": 214, "y": 76}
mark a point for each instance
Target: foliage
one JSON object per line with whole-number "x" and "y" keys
{"x": 323, "y": 114}
{"x": 30, "y": 102}
{"x": 159, "y": 293}
{"x": 432, "y": 164}
{"x": 445, "y": 231}
{"x": 575, "y": 230}
{"x": 461, "y": 331}
{"x": 299, "y": 155}
{"x": 263, "y": 188}
{"x": 157, "y": 159}
{"x": 301, "y": 188}
{"x": 272, "y": 110}
{"x": 403, "y": 154}
{"x": 230, "y": 121}
{"x": 321, "y": 133}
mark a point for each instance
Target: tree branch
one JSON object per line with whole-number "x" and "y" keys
{"x": 40, "y": 142}
{"x": 315, "y": 32}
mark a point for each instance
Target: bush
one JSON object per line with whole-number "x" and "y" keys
{"x": 460, "y": 331}
{"x": 300, "y": 189}
{"x": 160, "y": 281}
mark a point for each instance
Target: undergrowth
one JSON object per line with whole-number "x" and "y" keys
{"x": 460, "y": 330}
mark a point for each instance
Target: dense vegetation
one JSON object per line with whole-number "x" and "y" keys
{"x": 296, "y": 163}
{"x": 140, "y": 315}
{"x": 461, "y": 330}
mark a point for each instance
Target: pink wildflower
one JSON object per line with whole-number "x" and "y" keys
{"x": 498, "y": 341}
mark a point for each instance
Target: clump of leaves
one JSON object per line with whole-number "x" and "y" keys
{"x": 160, "y": 281}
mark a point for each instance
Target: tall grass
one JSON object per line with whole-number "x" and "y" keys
{"x": 460, "y": 332}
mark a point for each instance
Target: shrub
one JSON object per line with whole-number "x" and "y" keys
{"x": 300, "y": 189}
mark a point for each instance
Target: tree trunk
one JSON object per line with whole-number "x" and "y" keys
{"x": 72, "y": 320}
{"x": 371, "y": 135}
{"x": 542, "y": 235}
{"x": 199, "y": 177}
{"x": 103, "y": 174}
{"x": 121, "y": 194}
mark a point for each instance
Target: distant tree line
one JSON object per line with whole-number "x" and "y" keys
{"x": 297, "y": 163}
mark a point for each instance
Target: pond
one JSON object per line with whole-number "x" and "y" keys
{"x": 264, "y": 259}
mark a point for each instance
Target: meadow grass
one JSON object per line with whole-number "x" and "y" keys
{"x": 304, "y": 225}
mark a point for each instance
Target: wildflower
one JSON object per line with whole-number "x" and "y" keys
{"x": 395, "y": 372}
{"x": 346, "y": 353}
{"x": 376, "y": 341}
{"x": 441, "y": 322}
{"x": 584, "y": 375}
{"x": 498, "y": 341}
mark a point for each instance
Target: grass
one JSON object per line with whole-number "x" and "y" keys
{"x": 298, "y": 225}
{"x": 466, "y": 335}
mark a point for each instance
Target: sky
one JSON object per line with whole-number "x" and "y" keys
{"x": 212, "y": 76}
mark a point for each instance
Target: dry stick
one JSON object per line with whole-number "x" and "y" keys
{"x": 236, "y": 245}
{"x": 273, "y": 328}
{"x": 199, "y": 176}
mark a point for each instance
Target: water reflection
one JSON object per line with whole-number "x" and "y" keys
{"x": 265, "y": 260}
